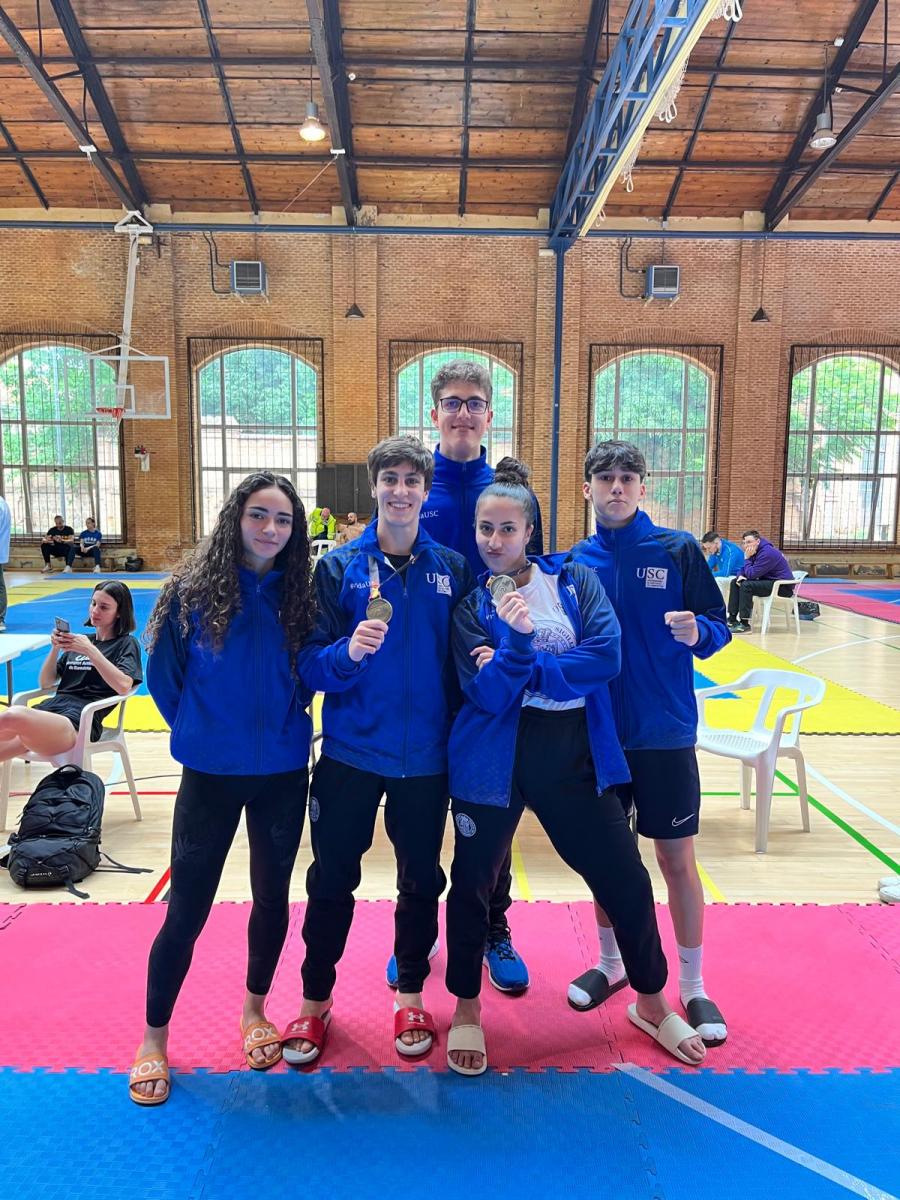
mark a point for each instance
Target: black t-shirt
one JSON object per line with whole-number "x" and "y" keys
{"x": 66, "y": 531}
{"x": 79, "y": 678}
{"x": 80, "y": 682}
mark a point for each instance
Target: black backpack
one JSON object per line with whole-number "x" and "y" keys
{"x": 58, "y": 840}
{"x": 808, "y": 610}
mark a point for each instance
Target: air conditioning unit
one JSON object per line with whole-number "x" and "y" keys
{"x": 248, "y": 277}
{"x": 662, "y": 283}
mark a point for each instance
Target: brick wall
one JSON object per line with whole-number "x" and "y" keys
{"x": 452, "y": 287}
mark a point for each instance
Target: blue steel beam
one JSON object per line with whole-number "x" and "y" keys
{"x": 656, "y": 37}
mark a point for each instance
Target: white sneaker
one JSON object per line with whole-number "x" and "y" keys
{"x": 2, "y": 627}
{"x": 67, "y": 571}
{"x": 96, "y": 571}
{"x": 48, "y": 570}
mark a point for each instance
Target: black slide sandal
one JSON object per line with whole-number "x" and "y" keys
{"x": 597, "y": 986}
{"x": 701, "y": 1011}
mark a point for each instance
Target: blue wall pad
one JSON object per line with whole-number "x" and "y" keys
{"x": 370, "y": 1136}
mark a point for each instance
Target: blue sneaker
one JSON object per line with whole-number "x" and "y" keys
{"x": 391, "y": 973}
{"x": 506, "y": 968}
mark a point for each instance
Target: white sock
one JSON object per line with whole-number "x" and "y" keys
{"x": 690, "y": 987}
{"x": 690, "y": 973}
{"x": 610, "y": 962}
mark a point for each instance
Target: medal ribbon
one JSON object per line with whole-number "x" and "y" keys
{"x": 374, "y": 581}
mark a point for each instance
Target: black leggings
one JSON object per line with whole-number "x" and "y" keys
{"x": 554, "y": 776}
{"x": 207, "y": 811}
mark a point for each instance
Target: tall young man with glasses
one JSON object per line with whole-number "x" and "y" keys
{"x": 461, "y": 393}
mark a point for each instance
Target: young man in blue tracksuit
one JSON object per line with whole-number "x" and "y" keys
{"x": 381, "y": 654}
{"x": 462, "y": 412}
{"x": 723, "y": 558}
{"x": 671, "y": 610}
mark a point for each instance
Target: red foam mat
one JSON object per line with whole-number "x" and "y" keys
{"x": 802, "y": 987}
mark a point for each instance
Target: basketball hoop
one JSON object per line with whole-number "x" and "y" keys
{"x": 115, "y": 412}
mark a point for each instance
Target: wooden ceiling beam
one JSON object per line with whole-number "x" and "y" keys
{"x": 856, "y": 123}
{"x": 698, "y": 123}
{"x": 596, "y": 17}
{"x": 68, "y": 23}
{"x": 17, "y": 156}
{"x": 60, "y": 106}
{"x": 852, "y": 38}
{"x": 888, "y": 188}
{"x": 327, "y": 47}
{"x": 226, "y": 100}
{"x": 471, "y": 7}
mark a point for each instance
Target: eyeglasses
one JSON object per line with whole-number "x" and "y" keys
{"x": 476, "y": 405}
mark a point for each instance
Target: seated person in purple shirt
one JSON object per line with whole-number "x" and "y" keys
{"x": 763, "y": 567}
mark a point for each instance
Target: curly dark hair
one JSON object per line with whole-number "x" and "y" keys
{"x": 206, "y": 581}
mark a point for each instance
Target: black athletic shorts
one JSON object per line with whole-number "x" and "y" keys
{"x": 665, "y": 791}
{"x": 72, "y": 708}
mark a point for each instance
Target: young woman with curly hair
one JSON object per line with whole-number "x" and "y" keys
{"x": 223, "y": 641}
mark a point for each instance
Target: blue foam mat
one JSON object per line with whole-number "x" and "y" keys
{"x": 356, "y": 1135}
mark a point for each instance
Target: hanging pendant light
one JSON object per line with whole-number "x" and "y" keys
{"x": 312, "y": 129}
{"x": 823, "y": 137}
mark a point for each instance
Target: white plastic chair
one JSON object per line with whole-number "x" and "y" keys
{"x": 725, "y": 582}
{"x": 787, "y": 604}
{"x": 81, "y": 755}
{"x": 318, "y": 549}
{"x": 758, "y": 748}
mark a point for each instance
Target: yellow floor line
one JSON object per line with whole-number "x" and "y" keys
{"x": 518, "y": 866}
{"x": 710, "y": 888}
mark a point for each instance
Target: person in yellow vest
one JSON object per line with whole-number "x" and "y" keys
{"x": 322, "y": 525}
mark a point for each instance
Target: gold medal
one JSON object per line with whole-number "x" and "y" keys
{"x": 500, "y": 586}
{"x": 379, "y": 609}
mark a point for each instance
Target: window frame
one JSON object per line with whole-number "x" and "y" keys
{"x": 706, "y": 357}
{"x": 402, "y": 353}
{"x": 15, "y": 347}
{"x": 202, "y": 352}
{"x": 809, "y": 356}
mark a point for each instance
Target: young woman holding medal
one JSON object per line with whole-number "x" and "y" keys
{"x": 381, "y": 654}
{"x": 223, "y": 642}
{"x": 535, "y": 644}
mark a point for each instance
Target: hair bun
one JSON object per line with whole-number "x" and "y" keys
{"x": 511, "y": 470}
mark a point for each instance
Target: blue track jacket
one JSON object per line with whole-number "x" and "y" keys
{"x": 729, "y": 560}
{"x": 648, "y": 571}
{"x": 390, "y": 713}
{"x": 483, "y": 739}
{"x": 240, "y": 711}
{"x": 449, "y": 512}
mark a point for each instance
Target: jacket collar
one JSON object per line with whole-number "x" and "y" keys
{"x": 629, "y": 535}
{"x": 477, "y": 470}
{"x": 249, "y": 580}
{"x": 368, "y": 540}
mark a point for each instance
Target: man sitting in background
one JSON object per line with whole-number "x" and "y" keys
{"x": 722, "y": 557}
{"x": 322, "y": 525}
{"x": 56, "y": 542}
{"x": 762, "y": 568}
{"x": 349, "y": 529}
{"x": 87, "y": 545}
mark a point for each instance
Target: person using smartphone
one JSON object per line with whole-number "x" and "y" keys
{"x": 84, "y": 668}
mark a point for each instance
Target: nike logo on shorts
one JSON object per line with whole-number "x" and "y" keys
{"x": 681, "y": 820}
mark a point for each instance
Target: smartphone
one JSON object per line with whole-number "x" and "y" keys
{"x": 62, "y": 625}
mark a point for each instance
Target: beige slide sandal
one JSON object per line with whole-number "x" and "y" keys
{"x": 669, "y": 1033}
{"x": 467, "y": 1038}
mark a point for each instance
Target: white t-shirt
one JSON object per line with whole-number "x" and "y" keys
{"x": 553, "y": 632}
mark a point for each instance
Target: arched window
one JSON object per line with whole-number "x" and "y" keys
{"x": 258, "y": 410}
{"x": 662, "y": 400}
{"x": 842, "y": 453}
{"x": 56, "y": 454}
{"x": 412, "y": 389}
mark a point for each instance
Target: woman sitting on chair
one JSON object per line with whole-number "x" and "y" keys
{"x": 88, "y": 667}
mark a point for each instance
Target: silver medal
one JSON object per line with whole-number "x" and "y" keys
{"x": 500, "y": 586}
